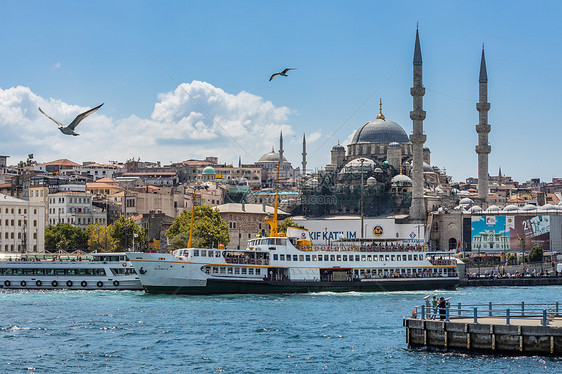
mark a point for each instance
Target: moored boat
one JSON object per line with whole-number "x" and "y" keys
{"x": 96, "y": 271}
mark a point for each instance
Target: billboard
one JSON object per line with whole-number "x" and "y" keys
{"x": 510, "y": 233}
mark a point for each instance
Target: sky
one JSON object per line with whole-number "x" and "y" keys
{"x": 188, "y": 79}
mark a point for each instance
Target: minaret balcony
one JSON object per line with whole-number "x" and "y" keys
{"x": 483, "y": 128}
{"x": 418, "y": 138}
{"x": 417, "y": 115}
{"x": 483, "y": 149}
{"x": 417, "y": 91}
{"x": 482, "y": 106}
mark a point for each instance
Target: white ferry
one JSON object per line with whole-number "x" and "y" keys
{"x": 95, "y": 271}
{"x": 290, "y": 264}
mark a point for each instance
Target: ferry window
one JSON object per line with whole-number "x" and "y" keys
{"x": 222, "y": 270}
{"x": 387, "y": 258}
{"x": 301, "y": 257}
{"x": 415, "y": 257}
{"x": 363, "y": 258}
{"x": 409, "y": 257}
{"x": 258, "y": 271}
{"x": 375, "y": 258}
{"x": 392, "y": 258}
{"x": 294, "y": 257}
{"x": 251, "y": 271}
{"x": 282, "y": 257}
{"x": 288, "y": 257}
{"x": 244, "y": 270}
{"x": 59, "y": 271}
{"x": 398, "y": 258}
{"x": 70, "y": 271}
{"x": 332, "y": 258}
{"x": 229, "y": 270}
{"x": 369, "y": 258}
{"x": 271, "y": 241}
{"x": 356, "y": 257}
{"x": 28, "y": 271}
{"x": 307, "y": 257}
{"x": 338, "y": 257}
{"x": 217, "y": 254}
{"x": 210, "y": 253}
{"x": 280, "y": 241}
{"x": 195, "y": 253}
{"x": 215, "y": 270}
{"x": 403, "y": 257}
{"x": 40, "y": 271}
{"x": 275, "y": 257}
{"x": 203, "y": 253}
{"x": 314, "y": 258}
{"x": 345, "y": 257}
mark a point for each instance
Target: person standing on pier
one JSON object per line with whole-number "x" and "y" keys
{"x": 442, "y": 306}
{"x": 434, "y": 304}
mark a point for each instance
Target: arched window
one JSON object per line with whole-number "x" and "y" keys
{"x": 452, "y": 243}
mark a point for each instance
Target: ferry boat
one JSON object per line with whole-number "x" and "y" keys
{"x": 291, "y": 264}
{"x": 94, "y": 271}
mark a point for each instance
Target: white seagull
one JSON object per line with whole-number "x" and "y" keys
{"x": 283, "y": 73}
{"x": 69, "y": 130}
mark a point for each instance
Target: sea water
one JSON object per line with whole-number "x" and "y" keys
{"x": 133, "y": 332}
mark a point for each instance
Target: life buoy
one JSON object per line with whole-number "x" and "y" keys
{"x": 266, "y": 262}
{"x": 69, "y": 283}
{"x": 316, "y": 248}
{"x": 23, "y": 283}
{"x": 259, "y": 262}
{"x": 235, "y": 260}
{"x": 100, "y": 284}
{"x": 7, "y": 283}
{"x": 83, "y": 283}
{"x": 116, "y": 283}
{"x": 124, "y": 264}
{"x": 251, "y": 261}
{"x": 54, "y": 283}
{"x": 38, "y": 283}
{"x": 228, "y": 259}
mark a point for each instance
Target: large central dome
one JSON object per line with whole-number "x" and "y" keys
{"x": 380, "y": 130}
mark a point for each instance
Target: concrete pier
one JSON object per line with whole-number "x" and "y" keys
{"x": 520, "y": 333}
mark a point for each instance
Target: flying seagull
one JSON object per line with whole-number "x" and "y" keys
{"x": 69, "y": 130}
{"x": 283, "y": 73}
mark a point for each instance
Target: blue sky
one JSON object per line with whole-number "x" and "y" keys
{"x": 147, "y": 60}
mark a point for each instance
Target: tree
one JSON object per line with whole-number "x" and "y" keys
{"x": 100, "y": 239}
{"x": 65, "y": 237}
{"x": 536, "y": 254}
{"x": 286, "y": 223}
{"x": 122, "y": 232}
{"x": 209, "y": 229}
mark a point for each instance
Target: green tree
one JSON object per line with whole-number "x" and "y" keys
{"x": 100, "y": 239}
{"x": 286, "y": 223}
{"x": 122, "y": 232}
{"x": 209, "y": 229}
{"x": 65, "y": 237}
{"x": 536, "y": 254}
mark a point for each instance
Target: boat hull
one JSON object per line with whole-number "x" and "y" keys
{"x": 216, "y": 286}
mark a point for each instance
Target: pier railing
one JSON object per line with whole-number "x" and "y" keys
{"x": 529, "y": 311}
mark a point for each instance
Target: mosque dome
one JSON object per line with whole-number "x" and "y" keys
{"x": 338, "y": 147}
{"x": 380, "y": 130}
{"x": 359, "y": 164}
{"x": 209, "y": 170}
{"x": 466, "y": 201}
{"x": 427, "y": 168}
{"x": 529, "y": 207}
{"x": 394, "y": 145}
{"x": 475, "y": 209}
{"x": 371, "y": 181}
{"x": 511, "y": 208}
{"x": 271, "y": 157}
{"x": 401, "y": 180}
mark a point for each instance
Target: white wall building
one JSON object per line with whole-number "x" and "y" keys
{"x": 75, "y": 208}
{"x": 22, "y": 225}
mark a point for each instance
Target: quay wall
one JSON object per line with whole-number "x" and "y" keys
{"x": 488, "y": 338}
{"x": 506, "y": 282}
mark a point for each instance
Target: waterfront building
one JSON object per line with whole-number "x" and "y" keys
{"x": 75, "y": 208}
{"x": 22, "y": 225}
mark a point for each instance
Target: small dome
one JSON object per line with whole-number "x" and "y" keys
{"x": 529, "y": 207}
{"x": 359, "y": 164}
{"x": 475, "y": 209}
{"x": 379, "y": 170}
{"x": 312, "y": 182}
{"x": 209, "y": 170}
{"x": 493, "y": 208}
{"x": 426, "y": 149}
{"x": 338, "y": 147}
{"x": 427, "y": 168}
{"x": 394, "y": 145}
{"x": 547, "y": 207}
{"x": 371, "y": 181}
{"x": 466, "y": 201}
{"x": 510, "y": 208}
{"x": 401, "y": 180}
{"x": 385, "y": 163}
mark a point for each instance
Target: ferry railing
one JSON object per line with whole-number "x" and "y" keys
{"x": 529, "y": 311}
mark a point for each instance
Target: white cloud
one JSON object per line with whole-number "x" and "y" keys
{"x": 57, "y": 65}
{"x": 193, "y": 121}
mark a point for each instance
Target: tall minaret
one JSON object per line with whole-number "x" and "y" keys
{"x": 281, "y": 147}
{"x": 303, "y": 155}
{"x": 483, "y": 129}
{"x": 417, "y": 210}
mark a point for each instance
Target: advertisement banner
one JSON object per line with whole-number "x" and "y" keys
{"x": 530, "y": 231}
{"x": 490, "y": 233}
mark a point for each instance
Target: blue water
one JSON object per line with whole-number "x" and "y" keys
{"x": 130, "y": 332}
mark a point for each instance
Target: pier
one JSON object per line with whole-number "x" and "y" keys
{"x": 523, "y": 329}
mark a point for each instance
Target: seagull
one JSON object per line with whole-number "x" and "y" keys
{"x": 69, "y": 130}
{"x": 283, "y": 73}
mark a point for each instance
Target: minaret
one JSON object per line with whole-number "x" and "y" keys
{"x": 239, "y": 161}
{"x": 483, "y": 129}
{"x": 417, "y": 210}
{"x": 281, "y": 147}
{"x": 304, "y": 155}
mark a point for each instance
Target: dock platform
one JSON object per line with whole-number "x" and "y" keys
{"x": 522, "y": 329}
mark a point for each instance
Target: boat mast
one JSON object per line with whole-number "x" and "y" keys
{"x": 192, "y": 215}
